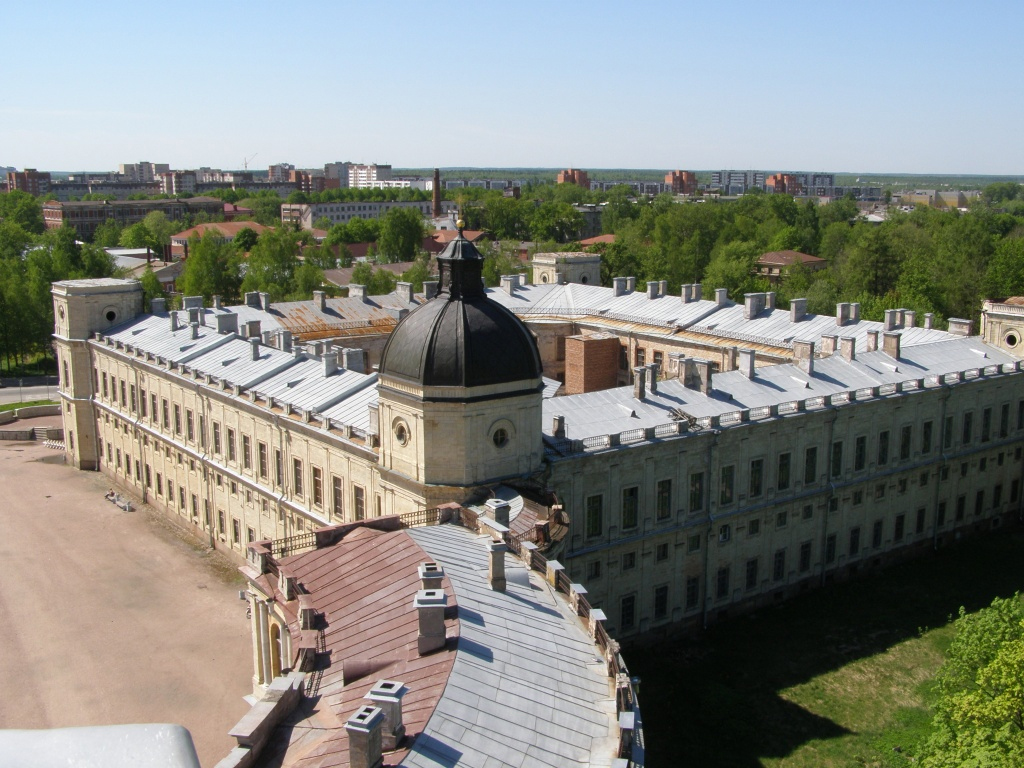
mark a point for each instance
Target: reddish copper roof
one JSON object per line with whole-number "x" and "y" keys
{"x": 227, "y": 228}
{"x": 788, "y": 258}
{"x": 598, "y": 239}
{"x": 364, "y": 586}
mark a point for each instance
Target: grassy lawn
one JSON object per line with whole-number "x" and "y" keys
{"x": 16, "y": 406}
{"x": 834, "y": 678}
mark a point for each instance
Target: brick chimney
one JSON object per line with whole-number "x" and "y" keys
{"x": 387, "y": 696}
{"x": 872, "y": 341}
{"x": 404, "y": 291}
{"x": 959, "y": 326}
{"x": 697, "y": 375}
{"x": 829, "y": 344}
{"x": 891, "y": 345}
{"x": 496, "y": 565}
{"x": 430, "y": 605}
{"x": 320, "y": 300}
{"x": 431, "y": 575}
{"x": 499, "y": 510}
{"x": 848, "y": 348}
{"x": 640, "y": 382}
{"x": 746, "y": 362}
{"x": 797, "y": 310}
{"x": 652, "y": 377}
{"x": 356, "y": 291}
{"x": 365, "y": 747}
{"x": 803, "y": 352}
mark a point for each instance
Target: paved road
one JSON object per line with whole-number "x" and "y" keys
{"x": 14, "y": 394}
{"x": 109, "y": 616}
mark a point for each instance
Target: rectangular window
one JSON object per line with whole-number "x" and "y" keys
{"x": 1004, "y": 420}
{"x": 359, "y": 499}
{"x": 152, "y": 403}
{"x": 149, "y": 481}
{"x": 628, "y": 561}
{"x": 696, "y": 491}
{"x": 640, "y": 356}
{"x": 905, "y": 438}
{"x": 961, "y": 507}
{"x": 693, "y": 543}
{"x": 830, "y": 548}
{"x": 781, "y": 519}
{"x": 166, "y": 414}
{"x": 725, "y": 488}
{"x": 202, "y": 431}
{"x": 782, "y": 480}
{"x": 854, "y": 541}
{"x": 722, "y": 582}
{"x": 246, "y": 452}
{"x": 177, "y": 419}
{"x": 837, "y": 458}
{"x": 1014, "y": 491}
{"x": 779, "y": 565}
{"x": 593, "y": 570}
{"x": 134, "y": 401}
{"x": 750, "y": 581}
{"x": 986, "y": 425}
{"x": 318, "y": 486}
{"x": 926, "y": 437}
{"x": 630, "y": 507}
{"x": 124, "y": 395}
{"x": 595, "y": 516}
{"x": 883, "y": 447}
{"x": 724, "y": 533}
{"x": 297, "y": 477}
{"x": 181, "y": 496}
{"x": 661, "y": 553}
{"x": 220, "y": 521}
{"x": 692, "y": 592}
{"x": 170, "y": 490}
{"x": 216, "y": 438}
{"x": 663, "y": 498}
{"x": 860, "y": 451}
{"x": 251, "y": 535}
{"x": 968, "y": 427}
{"x": 627, "y": 615}
{"x": 660, "y": 602}
{"x": 231, "y": 444}
{"x": 754, "y": 526}
{"x": 278, "y": 468}
{"x": 261, "y": 452}
{"x": 897, "y": 532}
{"x": 159, "y": 484}
{"x": 190, "y": 427}
{"x": 805, "y": 557}
{"x": 876, "y": 534}
{"x": 810, "y": 465}
{"x": 236, "y": 530}
{"x": 756, "y": 477}
{"x": 106, "y": 394}
{"x": 920, "y": 520}
{"x": 337, "y": 497}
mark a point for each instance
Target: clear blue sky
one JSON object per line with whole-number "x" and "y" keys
{"x": 904, "y": 87}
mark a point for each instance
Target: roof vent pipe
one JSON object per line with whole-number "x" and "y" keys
{"x": 639, "y": 382}
{"x": 174, "y": 321}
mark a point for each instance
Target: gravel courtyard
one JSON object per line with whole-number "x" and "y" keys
{"x": 109, "y": 616}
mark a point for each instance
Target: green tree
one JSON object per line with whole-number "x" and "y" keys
{"x": 979, "y": 713}
{"x": 308, "y": 278}
{"x": 418, "y": 273}
{"x": 151, "y": 288}
{"x": 213, "y": 268}
{"x": 322, "y": 257}
{"x": 22, "y": 209}
{"x": 272, "y": 264}
{"x": 557, "y": 221}
{"x": 245, "y": 239}
{"x": 401, "y": 235}
{"x": 107, "y": 234}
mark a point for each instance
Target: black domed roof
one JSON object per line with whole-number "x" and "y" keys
{"x": 461, "y": 338}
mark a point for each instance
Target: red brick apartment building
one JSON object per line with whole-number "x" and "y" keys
{"x": 682, "y": 182}
{"x": 574, "y": 176}
{"x": 30, "y": 180}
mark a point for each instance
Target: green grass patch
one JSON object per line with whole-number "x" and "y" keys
{"x": 840, "y": 676}
{"x": 16, "y": 406}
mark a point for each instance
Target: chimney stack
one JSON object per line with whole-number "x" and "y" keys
{"x": 430, "y": 605}
{"x": 829, "y": 344}
{"x": 285, "y": 340}
{"x": 959, "y": 327}
{"x": 365, "y": 747}
{"x": 430, "y": 289}
{"x": 652, "y": 377}
{"x": 909, "y": 318}
{"x": 265, "y": 302}
{"x": 842, "y": 313}
{"x": 872, "y": 343}
{"x": 891, "y": 345}
{"x": 929, "y": 320}
{"x": 157, "y": 306}
{"x": 174, "y": 321}
{"x": 848, "y": 348}
{"x": 320, "y": 300}
{"x": 652, "y": 289}
{"x": 721, "y": 296}
{"x": 252, "y": 299}
{"x": 404, "y": 291}
{"x": 508, "y": 284}
{"x": 797, "y": 310}
{"x": 496, "y": 565}
{"x": 630, "y": 284}
{"x": 854, "y": 312}
{"x": 697, "y": 375}
{"x": 254, "y": 341}
{"x": 686, "y": 293}
{"x": 330, "y": 363}
{"x": 753, "y": 303}
{"x": 354, "y": 360}
{"x": 618, "y": 286}
{"x": 387, "y": 695}
{"x": 195, "y": 330}
{"x": 227, "y": 323}
{"x": 747, "y": 362}
{"x": 499, "y": 511}
{"x": 356, "y": 291}
{"x": 431, "y": 575}
{"x": 252, "y": 329}
{"x": 891, "y": 318}
{"x": 803, "y": 351}
{"x": 193, "y": 315}
{"x": 640, "y": 382}
{"x": 662, "y": 287}
{"x": 217, "y": 302}
{"x": 558, "y": 427}
{"x": 435, "y": 195}
{"x": 769, "y": 300}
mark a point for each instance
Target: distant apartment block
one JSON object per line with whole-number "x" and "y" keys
{"x": 178, "y": 182}
{"x": 736, "y": 182}
{"x": 681, "y": 182}
{"x": 499, "y": 184}
{"x": 305, "y": 214}
{"x": 143, "y": 171}
{"x": 784, "y": 184}
{"x": 85, "y": 216}
{"x": 364, "y": 176}
{"x": 84, "y": 185}
{"x": 277, "y": 174}
{"x": 574, "y": 176}
{"x": 30, "y": 180}
{"x": 938, "y": 198}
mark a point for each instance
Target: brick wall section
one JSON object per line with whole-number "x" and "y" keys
{"x": 591, "y": 363}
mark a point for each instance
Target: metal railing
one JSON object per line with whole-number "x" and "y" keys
{"x": 421, "y": 517}
{"x": 292, "y": 545}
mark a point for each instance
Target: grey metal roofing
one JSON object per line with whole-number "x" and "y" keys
{"x": 355, "y": 409}
{"x": 152, "y": 333}
{"x": 613, "y": 411}
{"x": 304, "y": 385}
{"x": 233, "y": 362}
{"x": 528, "y": 687}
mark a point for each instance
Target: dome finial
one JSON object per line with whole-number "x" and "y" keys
{"x": 460, "y": 223}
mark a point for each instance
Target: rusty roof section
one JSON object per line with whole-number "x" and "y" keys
{"x": 788, "y": 258}
{"x": 342, "y": 317}
{"x": 363, "y": 585}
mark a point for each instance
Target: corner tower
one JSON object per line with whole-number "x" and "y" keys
{"x": 81, "y": 308}
{"x": 460, "y": 385}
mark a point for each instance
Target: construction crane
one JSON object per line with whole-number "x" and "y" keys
{"x": 245, "y": 161}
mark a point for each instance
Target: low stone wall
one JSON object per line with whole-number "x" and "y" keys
{"x": 31, "y": 411}
{"x": 17, "y": 434}
{"x": 256, "y": 726}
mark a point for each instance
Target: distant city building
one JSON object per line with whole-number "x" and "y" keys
{"x": 567, "y": 267}
{"x": 279, "y": 173}
{"x": 938, "y": 198}
{"x": 774, "y": 265}
{"x": 499, "y": 184}
{"x": 224, "y": 231}
{"x": 85, "y": 216}
{"x": 574, "y": 176}
{"x": 681, "y": 182}
{"x": 338, "y": 171}
{"x": 178, "y": 182}
{"x": 85, "y": 184}
{"x": 736, "y": 182}
{"x": 311, "y": 182}
{"x": 343, "y": 212}
{"x": 143, "y": 171}
{"x": 784, "y": 184}
{"x": 364, "y": 176}
{"x": 30, "y": 180}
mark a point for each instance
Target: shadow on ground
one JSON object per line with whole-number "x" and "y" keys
{"x": 712, "y": 699}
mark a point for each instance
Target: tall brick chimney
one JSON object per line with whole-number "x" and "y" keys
{"x": 436, "y": 195}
